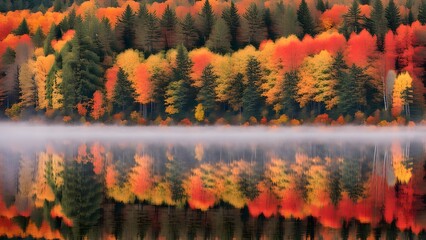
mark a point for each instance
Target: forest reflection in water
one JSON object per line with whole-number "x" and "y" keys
{"x": 139, "y": 189}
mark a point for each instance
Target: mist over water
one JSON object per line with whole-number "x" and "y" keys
{"x": 28, "y": 133}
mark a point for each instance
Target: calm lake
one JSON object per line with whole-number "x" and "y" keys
{"x": 110, "y": 182}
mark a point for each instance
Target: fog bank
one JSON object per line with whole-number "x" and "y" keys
{"x": 23, "y": 133}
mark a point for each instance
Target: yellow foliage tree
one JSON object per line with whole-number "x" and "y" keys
{"x": 401, "y": 94}
{"x": 315, "y": 82}
{"x": 42, "y": 66}
{"x": 199, "y": 112}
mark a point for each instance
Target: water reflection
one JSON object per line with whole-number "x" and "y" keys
{"x": 291, "y": 190}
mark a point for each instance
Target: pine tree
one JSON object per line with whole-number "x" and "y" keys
{"x": 207, "y": 21}
{"x": 219, "y": 39}
{"x": 180, "y": 94}
{"x": 352, "y": 20}
{"x": 251, "y": 96}
{"x": 379, "y": 23}
{"x": 285, "y": 18}
{"x": 305, "y": 19}
{"x": 160, "y": 80}
{"x": 126, "y": 28}
{"x": 352, "y": 179}
{"x": 255, "y": 32}
{"x": 410, "y": 17}
{"x": 123, "y": 92}
{"x": 235, "y": 91}
{"x": 168, "y": 25}
{"x": 320, "y": 6}
{"x": 82, "y": 71}
{"x": 188, "y": 32}
{"x": 268, "y": 23}
{"x": 393, "y": 16}
{"x": 339, "y": 72}
{"x": 8, "y": 57}
{"x": 22, "y": 28}
{"x": 81, "y": 197}
{"x": 48, "y": 49}
{"x": 352, "y": 95}
{"x": 183, "y": 65}
{"x": 290, "y": 105}
{"x": 152, "y": 34}
{"x": 206, "y": 95}
{"x": 422, "y": 12}
{"x": 38, "y": 38}
{"x": 175, "y": 98}
{"x": 232, "y": 19}
{"x": 58, "y": 5}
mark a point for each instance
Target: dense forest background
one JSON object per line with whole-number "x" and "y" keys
{"x": 178, "y": 61}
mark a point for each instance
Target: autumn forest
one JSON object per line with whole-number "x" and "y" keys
{"x": 213, "y": 62}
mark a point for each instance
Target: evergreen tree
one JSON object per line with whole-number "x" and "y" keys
{"x": 422, "y": 12}
{"x": 352, "y": 95}
{"x": 48, "y": 49}
{"x": 160, "y": 81}
{"x": 251, "y": 95}
{"x": 180, "y": 94}
{"x": 219, "y": 39}
{"x": 339, "y": 71}
{"x": 188, "y": 32}
{"x": 82, "y": 71}
{"x": 393, "y": 16}
{"x": 206, "y": 95}
{"x": 235, "y": 91}
{"x": 352, "y": 20}
{"x": 168, "y": 25}
{"x": 126, "y": 28}
{"x": 285, "y": 18}
{"x": 305, "y": 19}
{"x": 38, "y": 38}
{"x": 232, "y": 19}
{"x": 58, "y": 5}
{"x": 183, "y": 65}
{"x": 255, "y": 26}
{"x": 410, "y": 17}
{"x": 8, "y": 57}
{"x": 207, "y": 21}
{"x": 22, "y": 28}
{"x": 176, "y": 99}
{"x": 320, "y": 6}
{"x": 290, "y": 105}
{"x": 351, "y": 179}
{"x": 152, "y": 34}
{"x": 379, "y": 23}
{"x": 268, "y": 23}
{"x": 81, "y": 197}
{"x": 334, "y": 184}
{"x": 123, "y": 92}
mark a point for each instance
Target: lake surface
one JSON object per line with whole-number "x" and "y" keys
{"x": 99, "y": 182}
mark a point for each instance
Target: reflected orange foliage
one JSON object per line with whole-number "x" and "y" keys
{"x": 198, "y": 196}
{"x": 140, "y": 177}
{"x": 57, "y": 212}
{"x": 266, "y": 203}
{"x": 110, "y": 176}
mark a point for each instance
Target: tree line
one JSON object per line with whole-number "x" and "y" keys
{"x": 145, "y": 68}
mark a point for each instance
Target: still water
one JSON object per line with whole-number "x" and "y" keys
{"x": 102, "y": 182}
